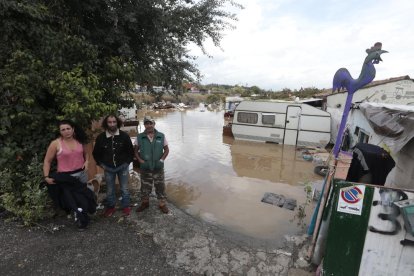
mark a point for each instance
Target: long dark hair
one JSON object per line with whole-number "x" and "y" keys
{"x": 105, "y": 121}
{"x": 79, "y": 134}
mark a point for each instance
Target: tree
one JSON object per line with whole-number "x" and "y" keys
{"x": 240, "y": 90}
{"x": 255, "y": 90}
{"x": 213, "y": 98}
{"x": 75, "y": 58}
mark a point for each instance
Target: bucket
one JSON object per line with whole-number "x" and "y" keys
{"x": 407, "y": 208}
{"x": 342, "y": 167}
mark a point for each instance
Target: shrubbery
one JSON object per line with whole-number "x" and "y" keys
{"x": 23, "y": 194}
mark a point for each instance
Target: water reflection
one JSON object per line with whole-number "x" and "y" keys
{"x": 183, "y": 193}
{"x": 223, "y": 181}
{"x": 276, "y": 163}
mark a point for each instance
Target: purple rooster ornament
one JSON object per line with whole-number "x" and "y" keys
{"x": 343, "y": 80}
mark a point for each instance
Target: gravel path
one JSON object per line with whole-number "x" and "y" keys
{"x": 108, "y": 247}
{"x": 149, "y": 243}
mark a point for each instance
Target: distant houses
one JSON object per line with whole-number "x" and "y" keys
{"x": 144, "y": 88}
{"x": 193, "y": 88}
{"x": 188, "y": 87}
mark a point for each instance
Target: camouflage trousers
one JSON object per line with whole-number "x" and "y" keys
{"x": 149, "y": 178}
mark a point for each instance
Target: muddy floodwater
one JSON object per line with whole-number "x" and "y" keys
{"x": 222, "y": 180}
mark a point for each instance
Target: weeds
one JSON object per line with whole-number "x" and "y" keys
{"x": 301, "y": 211}
{"x": 23, "y": 194}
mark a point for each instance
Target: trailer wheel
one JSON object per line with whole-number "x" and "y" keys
{"x": 321, "y": 170}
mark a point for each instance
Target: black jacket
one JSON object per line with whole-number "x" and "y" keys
{"x": 113, "y": 151}
{"x": 368, "y": 158}
{"x": 74, "y": 193}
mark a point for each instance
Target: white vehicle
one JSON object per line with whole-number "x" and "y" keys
{"x": 282, "y": 122}
{"x": 129, "y": 115}
{"x": 231, "y": 104}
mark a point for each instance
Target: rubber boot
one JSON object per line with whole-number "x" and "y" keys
{"x": 162, "y": 204}
{"x": 144, "y": 204}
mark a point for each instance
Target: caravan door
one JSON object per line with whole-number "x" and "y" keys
{"x": 292, "y": 125}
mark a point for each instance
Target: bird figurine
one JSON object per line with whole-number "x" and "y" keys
{"x": 343, "y": 80}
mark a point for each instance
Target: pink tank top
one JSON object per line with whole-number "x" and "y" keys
{"x": 69, "y": 160}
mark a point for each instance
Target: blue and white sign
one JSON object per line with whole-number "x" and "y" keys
{"x": 351, "y": 199}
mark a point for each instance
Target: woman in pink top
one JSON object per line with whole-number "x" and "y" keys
{"x": 69, "y": 193}
{"x": 69, "y": 150}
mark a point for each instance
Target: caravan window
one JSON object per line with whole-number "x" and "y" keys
{"x": 247, "y": 118}
{"x": 268, "y": 119}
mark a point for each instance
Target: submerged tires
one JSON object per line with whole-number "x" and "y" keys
{"x": 321, "y": 170}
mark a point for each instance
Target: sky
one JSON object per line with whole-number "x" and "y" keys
{"x": 292, "y": 44}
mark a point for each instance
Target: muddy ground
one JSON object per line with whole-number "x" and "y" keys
{"x": 149, "y": 243}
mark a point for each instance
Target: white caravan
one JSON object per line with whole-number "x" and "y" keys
{"x": 282, "y": 122}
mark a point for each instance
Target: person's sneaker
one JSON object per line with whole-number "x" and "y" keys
{"x": 83, "y": 224}
{"x": 144, "y": 205}
{"x": 82, "y": 228}
{"x": 164, "y": 208}
{"x": 126, "y": 211}
{"x": 81, "y": 219}
{"x": 109, "y": 212}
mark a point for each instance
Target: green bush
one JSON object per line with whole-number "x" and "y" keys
{"x": 22, "y": 194}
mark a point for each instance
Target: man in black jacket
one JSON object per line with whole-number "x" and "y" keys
{"x": 114, "y": 152}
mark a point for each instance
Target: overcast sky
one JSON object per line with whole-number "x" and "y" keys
{"x": 292, "y": 44}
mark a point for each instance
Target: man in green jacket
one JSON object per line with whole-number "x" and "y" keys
{"x": 151, "y": 151}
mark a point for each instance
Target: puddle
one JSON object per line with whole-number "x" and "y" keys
{"x": 222, "y": 180}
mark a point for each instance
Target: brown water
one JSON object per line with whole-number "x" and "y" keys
{"x": 222, "y": 180}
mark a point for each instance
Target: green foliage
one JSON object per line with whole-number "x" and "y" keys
{"x": 78, "y": 96}
{"x": 28, "y": 199}
{"x": 244, "y": 91}
{"x": 301, "y": 211}
{"x": 213, "y": 98}
{"x": 255, "y": 90}
{"x": 287, "y": 94}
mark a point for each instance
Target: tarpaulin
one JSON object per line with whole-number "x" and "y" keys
{"x": 394, "y": 123}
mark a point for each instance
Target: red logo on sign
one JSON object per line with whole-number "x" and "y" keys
{"x": 352, "y": 195}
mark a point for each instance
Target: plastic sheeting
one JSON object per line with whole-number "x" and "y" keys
{"x": 394, "y": 123}
{"x": 336, "y": 116}
{"x": 402, "y": 175}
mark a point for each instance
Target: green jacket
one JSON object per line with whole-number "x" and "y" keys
{"x": 151, "y": 152}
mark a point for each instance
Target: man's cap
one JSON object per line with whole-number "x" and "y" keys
{"x": 148, "y": 119}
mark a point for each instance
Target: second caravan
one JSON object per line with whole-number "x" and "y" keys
{"x": 283, "y": 122}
